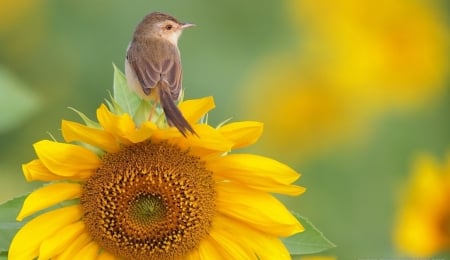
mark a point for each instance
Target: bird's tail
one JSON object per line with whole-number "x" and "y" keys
{"x": 173, "y": 114}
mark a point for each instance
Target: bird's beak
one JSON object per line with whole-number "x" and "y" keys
{"x": 187, "y": 25}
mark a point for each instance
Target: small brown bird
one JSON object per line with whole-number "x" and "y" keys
{"x": 153, "y": 65}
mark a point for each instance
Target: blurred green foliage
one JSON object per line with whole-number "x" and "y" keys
{"x": 62, "y": 53}
{"x": 16, "y": 102}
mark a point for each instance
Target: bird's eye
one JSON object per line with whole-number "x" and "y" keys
{"x": 169, "y": 27}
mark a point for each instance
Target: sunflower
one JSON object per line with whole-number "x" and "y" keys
{"x": 122, "y": 190}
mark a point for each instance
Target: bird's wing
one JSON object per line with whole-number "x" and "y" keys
{"x": 146, "y": 72}
{"x": 150, "y": 70}
{"x": 172, "y": 74}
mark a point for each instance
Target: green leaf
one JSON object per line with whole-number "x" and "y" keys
{"x": 17, "y": 101}
{"x": 8, "y": 224}
{"x": 310, "y": 241}
{"x": 127, "y": 99}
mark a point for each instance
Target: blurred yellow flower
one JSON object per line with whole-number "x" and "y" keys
{"x": 356, "y": 60}
{"x": 23, "y": 28}
{"x": 304, "y": 113}
{"x": 12, "y": 11}
{"x": 423, "y": 221}
{"x": 390, "y": 53}
{"x": 147, "y": 192}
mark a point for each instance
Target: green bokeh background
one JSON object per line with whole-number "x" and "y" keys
{"x": 61, "y": 54}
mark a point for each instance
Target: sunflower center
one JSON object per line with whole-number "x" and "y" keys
{"x": 149, "y": 201}
{"x": 147, "y": 209}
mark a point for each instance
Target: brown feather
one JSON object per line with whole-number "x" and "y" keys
{"x": 173, "y": 114}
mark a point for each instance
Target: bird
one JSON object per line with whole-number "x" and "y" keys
{"x": 153, "y": 65}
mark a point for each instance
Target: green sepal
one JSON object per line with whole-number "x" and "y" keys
{"x": 223, "y": 122}
{"x": 142, "y": 112}
{"x": 125, "y": 98}
{"x": 114, "y": 107}
{"x": 86, "y": 120}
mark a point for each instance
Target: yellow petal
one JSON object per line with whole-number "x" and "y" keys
{"x": 118, "y": 125}
{"x": 194, "y": 109}
{"x": 195, "y": 255}
{"x": 47, "y": 196}
{"x": 257, "y": 172}
{"x": 257, "y": 209}
{"x": 80, "y": 242}
{"x": 26, "y": 243}
{"x": 61, "y": 240}
{"x": 104, "y": 255}
{"x": 264, "y": 246}
{"x": 67, "y": 159}
{"x": 242, "y": 133}
{"x": 89, "y": 251}
{"x": 36, "y": 171}
{"x": 208, "y": 249}
{"x": 229, "y": 245}
{"x": 142, "y": 133}
{"x": 77, "y": 132}
{"x": 208, "y": 139}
